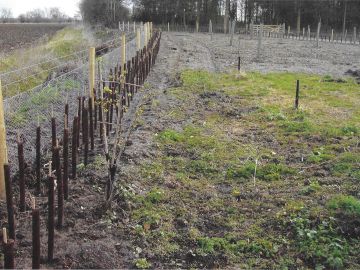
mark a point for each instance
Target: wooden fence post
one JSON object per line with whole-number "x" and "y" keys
{"x": 318, "y": 34}
{"x": 168, "y": 27}
{"x": 138, "y": 40}
{"x": 354, "y": 37}
{"x": 260, "y": 41}
{"x": 145, "y": 35}
{"x": 3, "y": 148}
{"x": 123, "y": 50}
{"x": 91, "y": 71}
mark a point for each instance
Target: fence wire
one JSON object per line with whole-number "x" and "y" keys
{"x": 25, "y": 111}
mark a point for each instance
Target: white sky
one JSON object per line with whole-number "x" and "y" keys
{"x": 69, "y": 7}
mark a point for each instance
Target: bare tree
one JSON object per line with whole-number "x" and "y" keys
{"x": 5, "y": 14}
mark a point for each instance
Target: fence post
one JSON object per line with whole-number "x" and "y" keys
{"x": 134, "y": 27}
{"x": 232, "y": 29}
{"x": 123, "y": 50}
{"x": 145, "y": 34}
{"x": 303, "y": 33}
{"x": 168, "y": 27}
{"x": 211, "y": 29}
{"x": 260, "y": 40}
{"x": 92, "y": 71}
{"x": 332, "y": 35}
{"x": 308, "y": 37}
{"x": 318, "y": 34}
{"x": 354, "y": 37}
{"x": 138, "y": 40}
{"x": 251, "y": 30}
{"x": 288, "y": 34}
{"x": 3, "y": 148}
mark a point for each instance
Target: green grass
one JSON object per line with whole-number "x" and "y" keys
{"x": 63, "y": 43}
{"x": 200, "y": 200}
{"x": 40, "y": 100}
{"x": 346, "y": 204}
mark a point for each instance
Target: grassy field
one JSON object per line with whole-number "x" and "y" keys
{"x": 240, "y": 178}
{"x": 61, "y": 45}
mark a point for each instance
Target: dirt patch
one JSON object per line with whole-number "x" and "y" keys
{"x": 15, "y": 36}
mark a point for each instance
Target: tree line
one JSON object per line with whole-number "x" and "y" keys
{"x": 53, "y": 14}
{"x": 337, "y": 14}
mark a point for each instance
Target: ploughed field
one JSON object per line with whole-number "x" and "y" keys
{"x": 15, "y": 36}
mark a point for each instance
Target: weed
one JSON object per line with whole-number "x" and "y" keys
{"x": 142, "y": 263}
{"x": 319, "y": 244}
{"x": 313, "y": 187}
{"x": 347, "y": 165}
{"x": 268, "y": 172}
{"x": 319, "y": 156}
{"x": 346, "y": 204}
{"x": 209, "y": 245}
{"x": 168, "y": 136}
{"x": 155, "y": 195}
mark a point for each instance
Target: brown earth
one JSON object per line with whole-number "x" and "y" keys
{"x": 15, "y": 36}
{"x": 95, "y": 238}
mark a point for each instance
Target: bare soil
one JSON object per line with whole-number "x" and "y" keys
{"x": 94, "y": 238}
{"x": 15, "y": 36}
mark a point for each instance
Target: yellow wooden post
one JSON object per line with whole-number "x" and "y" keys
{"x": 138, "y": 39}
{"x": 3, "y": 148}
{"x": 123, "y": 52}
{"x": 145, "y": 34}
{"x": 91, "y": 71}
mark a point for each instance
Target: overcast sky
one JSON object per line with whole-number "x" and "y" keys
{"x": 70, "y": 7}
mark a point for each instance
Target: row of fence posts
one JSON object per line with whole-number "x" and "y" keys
{"x": 90, "y": 122}
{"x": 123, "y": 28}
{"x": 283, "y": 33}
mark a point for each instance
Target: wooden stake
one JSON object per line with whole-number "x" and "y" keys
{"x": 20, "y": 144}
{"x": 66, "y": 162}
{"x": 35, "y": 237}
{"x": 297, "y": 94}
{"x": 74, "y": 147}
{"x": 38, "y": 158}
{"x": 318, "y": 34}
{"x": 85, "y": 135}
{"x": 91, "y": 71}
{"x": 9, "y": 252}
{"x": 3, "y": 148}
{"x": 138, "y": 40}
{"x": 60, "y": 187}
{"x": 91, "y": 125}
{"x": 51, "y": 213}
{"x": 123, "y": 49}
{"x": 9, "y": 201}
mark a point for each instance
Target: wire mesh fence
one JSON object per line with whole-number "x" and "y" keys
{"x": 25, "y": 111}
